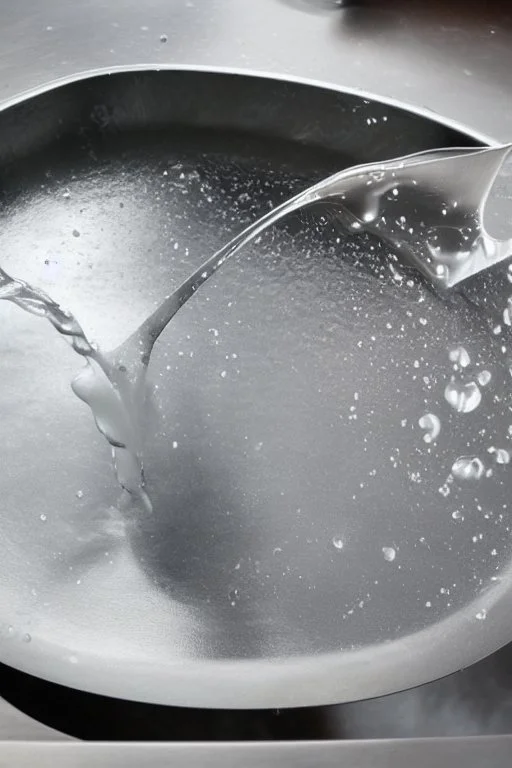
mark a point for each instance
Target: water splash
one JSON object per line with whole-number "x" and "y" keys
{"x": 114, "y": 397}
{"x": 448, "y": 245}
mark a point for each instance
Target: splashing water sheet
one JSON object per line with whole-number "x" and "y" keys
{"x": 447, "y": 245}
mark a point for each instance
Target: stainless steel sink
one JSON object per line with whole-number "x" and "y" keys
{"x": 439, "y": 57}
{"x": 474, "y": 702}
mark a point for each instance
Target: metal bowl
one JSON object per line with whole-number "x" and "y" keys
{"x": 300, "y": 551}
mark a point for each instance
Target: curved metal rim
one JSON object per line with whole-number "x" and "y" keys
{"x": 87, "y": 74}
{"x": 331, "y": 678}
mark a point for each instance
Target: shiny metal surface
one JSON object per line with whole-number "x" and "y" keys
{"x": 342, "y": 50}
{"x": 448, "y": 57}
{"x": 262, "y": 578}
{"x": 17, "y": 726}
{"x": 422, "y": 753}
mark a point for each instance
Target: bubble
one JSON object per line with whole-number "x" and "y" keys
{"x": 431, "y": 423}
{"x": 26, "y": 638}
{"x": 389, "y": 554}
{"x": 457, "y": 514}
{"x": 79, "y": 494}
{"x": 468, "y": 468}
{"x": 464, "y": 398}
{"x": 163, "y": 38}
{"x": 481, "y": 615}
{"x": 43, "y": 517}
{"x": 338, "y": 543}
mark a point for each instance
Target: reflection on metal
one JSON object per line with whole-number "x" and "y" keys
{"x": 65, "y": 40}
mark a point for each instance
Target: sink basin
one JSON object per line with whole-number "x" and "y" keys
{"x": 473, "y": 702}
{"x": 303, "y": 549}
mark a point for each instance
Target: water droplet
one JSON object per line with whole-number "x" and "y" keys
{"x": 460, "y": 356}
{"x": 468, "y": 468}
{"x": 431, "y": 423}
{"x": 10, "y": 630}
{"x": 79, "y": 494}
{"x": 338, "y": 543}
{"x": 76, "y": 233}
{"x": 507, "y": 312}
{"x": 481, "y": 615}
{"x": 163, "y": 38}
{"x": 484, "y": 378}
{"x": 389, "y": 554}
{"x": 234, "y": 594}
{"x": 464, "y": 398}
{"x": 501, "y": 455}
{"x": 223, "y": 374}
{"x": 175, "y": 444}
{"x": 26, "y": 638}
{"x": 43, "y": 517}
